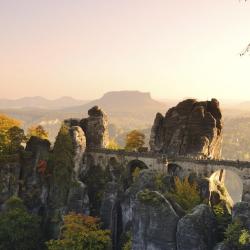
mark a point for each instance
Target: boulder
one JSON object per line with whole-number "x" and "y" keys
{"x": 241, "y": 212}
{"x": 154, "y": 222}
{"x": 197, "y": 230}
{"x": 191, "y": 128}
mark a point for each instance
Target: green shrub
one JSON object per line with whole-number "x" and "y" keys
{"x": 186, "y": 194}
{"x": 223, "y": 219}
{"x": 19, "y": 230}
{"x": 150, "y": 197}
{"x": 236, "y": 236}
{"x": 159, "y": 184}
{"x": 126, "y": 240}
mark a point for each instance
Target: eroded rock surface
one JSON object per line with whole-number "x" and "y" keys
{"x": 241, "y": 212}
{"x": 154, "y": 223}
{"x": 191, "y": 128}
{"x": 197, "y": 230}
{"x": 95, "y": 128}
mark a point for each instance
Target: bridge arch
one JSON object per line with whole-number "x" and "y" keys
{"x": 135, "y": 165}
{"x": 174, "y": 169}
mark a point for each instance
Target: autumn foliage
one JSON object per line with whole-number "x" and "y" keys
{"x": 81, "y": 232}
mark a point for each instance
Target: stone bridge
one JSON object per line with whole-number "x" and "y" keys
{"x": 157, "y": 161}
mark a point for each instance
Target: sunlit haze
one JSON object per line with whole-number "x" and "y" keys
{"x": 84, "y": 48}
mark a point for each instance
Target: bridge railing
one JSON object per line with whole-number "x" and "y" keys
{"x": 190, "y": 158}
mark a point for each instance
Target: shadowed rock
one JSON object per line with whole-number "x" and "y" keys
{"x": 154, "y": 223}
{"x": 191, "y": 128}
{"x": 197, "y": 230}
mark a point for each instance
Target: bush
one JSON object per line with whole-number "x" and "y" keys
{"x": 186, "y": 194}
{"x": 19, "y": 230}
{"x": 126, "y": 241}
{"x": 150, "y": 197}
{"x": 237, "y": 237}
{"x": 223, "y": 219}
{"x": 80, "y": 232}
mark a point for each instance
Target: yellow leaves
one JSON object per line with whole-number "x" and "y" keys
{"x": 134, "y": 140}
{"x": 38, "y": 131}
{"x": 113, "y": 145}
{"x": 6, "y": 123}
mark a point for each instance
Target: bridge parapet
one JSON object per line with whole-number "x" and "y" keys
{"x": 126, "y": 153}
{"x": 150, "y": 154}
{"x": 230, "y": 163}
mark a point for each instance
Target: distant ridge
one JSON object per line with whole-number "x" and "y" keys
{"x": 123, "y": 101}
{"x": 40, "y": 102}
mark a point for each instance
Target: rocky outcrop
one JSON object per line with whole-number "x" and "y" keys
{"x": 197, "y": 230}
{"x": 95, "y": 128}
{"x": 111, "y": 212}
{"x": 9, "y": 180}
{"x": 34, "y": 188}
{"x": 222, "y": 246}
{"x": 78, "y": 200}
{"x": 191, "y": 128}
{"x": 154, "y": 223}
{"x": 79, "y": 143}
{"x": 241, "y": 212}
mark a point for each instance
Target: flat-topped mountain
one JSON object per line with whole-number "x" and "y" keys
{"x": 124, "y": 101}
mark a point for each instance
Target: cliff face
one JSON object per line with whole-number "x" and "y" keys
{"x": 191, "y": 128}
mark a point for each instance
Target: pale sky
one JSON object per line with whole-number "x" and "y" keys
{"x": 83, "y": 48}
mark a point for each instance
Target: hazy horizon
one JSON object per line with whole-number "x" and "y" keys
{"x": 172, "y": 49}
{"x": 165, "y": 99}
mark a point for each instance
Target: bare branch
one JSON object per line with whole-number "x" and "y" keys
{"x": 246, "y": 50}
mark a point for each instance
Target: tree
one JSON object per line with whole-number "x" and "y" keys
{"x": 6, "y": 123}
{"x": 16, "y": 137}
{"x": 38, "y": 131}
{"x": 81, "y": 232}
{"x": 134, "y": 140}
{"x": 19, "y": 230}
{"x": 61, "y": 164}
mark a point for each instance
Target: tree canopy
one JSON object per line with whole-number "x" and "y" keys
{"x": 19, "y": 230}
{"x": 81, "y": 232}
{"x": 37, "y": 131}
{"x": 134, "y": 140}
{"x": 11, "y": 135}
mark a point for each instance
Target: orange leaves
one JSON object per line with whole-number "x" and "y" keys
{"x": 42, "y": 167}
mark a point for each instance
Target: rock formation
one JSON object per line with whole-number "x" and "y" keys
{"x": 154, "y": 222}
{"x": 94, "y": 128}
{"x": 241, "y": 212}
{"x": 197, "y": 230}
{"x": 191, "y": 128}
